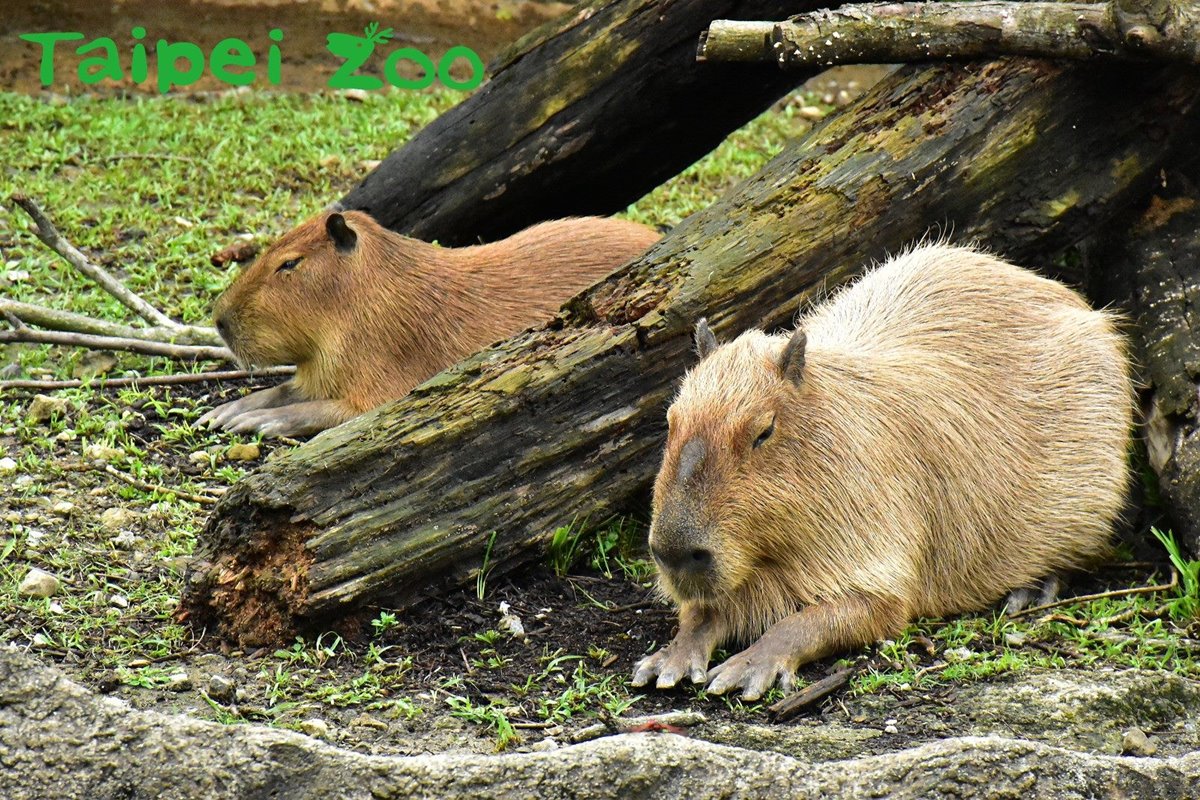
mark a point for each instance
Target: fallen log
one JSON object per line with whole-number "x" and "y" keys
{"x": 1148, "y": 269}
{"x": 581, "y": 116}
{"x": 886, "y": 33}
{"x": 564, "y": 424}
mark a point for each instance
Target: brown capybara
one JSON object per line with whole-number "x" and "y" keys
{"x": 366, "y": 314}
{"x": 947, "y": 430}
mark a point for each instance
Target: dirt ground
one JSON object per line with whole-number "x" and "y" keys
{"x": 432, "y": 26}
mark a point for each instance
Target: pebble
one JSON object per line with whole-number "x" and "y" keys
{"x": 811, "y": 112}
{"x": 318, "y": 728}
{"x": 890, "y": 729}
{"x": 179, "y": 682}
{"x": 242, "y": 452}
{"x": 38, "y": 583}
{"x": 544, "y": 746}
{"x": 7, "y": 466}
{"x": 119, "y": 600}
{"x": 44, "y": 408}
{"x": 200, "y": 457}
{"x": 63, "y": 508}
{"x": 116, "y": 519}
{"x": 220, "y": 688}
{"x": 1135, "y": 742}
{"x": 102, "y": 452}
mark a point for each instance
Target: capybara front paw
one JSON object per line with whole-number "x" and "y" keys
{"x": 671, "y": 664}
{"x": 754, "y": 670}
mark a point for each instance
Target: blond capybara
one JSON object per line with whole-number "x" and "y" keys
{"x": 366, "y": 314}
{"x": 947, "y": 430}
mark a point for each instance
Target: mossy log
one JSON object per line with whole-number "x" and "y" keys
{"x": 581, "y": 116}
{"x": 1151, "y": 270}
{"x": 564, "y": 424}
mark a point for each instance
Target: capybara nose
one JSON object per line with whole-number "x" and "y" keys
{"x": 682, "y": 559}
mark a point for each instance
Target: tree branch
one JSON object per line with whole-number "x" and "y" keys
{"x": 56, "y": 320}
{"x": 55, "y": 241}
{"x": 149, "y": 380}
{"x": 149, "y": 348}
{"x": 902, "y": 32}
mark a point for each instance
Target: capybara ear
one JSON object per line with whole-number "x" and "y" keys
{"x": 791, "y": 363}
{"x": 705, "y": 341}
{"x": 343, "y": 236}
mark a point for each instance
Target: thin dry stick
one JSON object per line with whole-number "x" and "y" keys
{"x": 1087, "y": 598}
{"x": 152, "y": 487}
{"x": 151, "y": 380}
{"x": 180, "y": 351}
{"x": 55, "y": 241}
{"x": 56, "y": 320}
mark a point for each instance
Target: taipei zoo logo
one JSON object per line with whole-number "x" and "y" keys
{"x": 234, "y": 62}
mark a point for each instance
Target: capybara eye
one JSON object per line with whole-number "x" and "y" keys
{"x": 289, "y": 264}
{"x": 766, "y": 434}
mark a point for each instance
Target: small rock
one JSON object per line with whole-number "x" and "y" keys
{"x": 367, "y": 721}
{"x": 7, "y": 466}
{"x": 811, "y": 113}
{"x": 63, "y": 508}
{"x": 1015, "y": 639}
{"x": 97, "y": 362}
{"x": 317, "y": 728}
{"x": 890, "y": 729}
{"x": 179, "y": 682}
{"x": 124, "y": 540}
{"x": 119, "y": 600}
{"x": 12, "y": 517}
{"x": 23, "y": 481}
{"x": 544, "y": 746}
{"x": 200, "y": 457}
{"x": 357, "y": 95}
{"x": 369, "y": 163}
{"x": 510, "y": 622}
{"x": 1135, "y": 742}
{"x": 38, "y": 583}
{"x": 220, "y": 688}
{"x": 116, "y": 519}
{"x": 44, "y": 408}
{"x": 102, "y": 452}
{"x": 242, "y": 452}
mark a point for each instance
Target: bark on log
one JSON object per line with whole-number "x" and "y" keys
{"x": 566, "y": 422}
{"x": 582, "y": 116}
{"x": 887, "y": 33}
{"x": 1151, "y": 269}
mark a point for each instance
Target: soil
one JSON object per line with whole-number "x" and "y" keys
{"x": 432, "y": 26}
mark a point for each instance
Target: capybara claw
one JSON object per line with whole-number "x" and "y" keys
{"x": 670, "y": 666}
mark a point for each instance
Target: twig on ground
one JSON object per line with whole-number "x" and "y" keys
{"x": 150, "y": 380}
{"x": 151, "y": 487}
{"x": 56, "y": 320}
{"x": 179, "y": 351}
{"x": 55, "y": 241}
{"x": 1087, "y": 598}
{"x": 812, "y": 694}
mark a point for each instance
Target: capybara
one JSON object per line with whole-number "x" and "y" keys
{"x": 366, "y": 314}
{"x": 947, "y": 430}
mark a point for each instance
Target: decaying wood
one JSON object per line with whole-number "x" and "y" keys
{"x": 1150, "y": 270}
{"x": 582, "y": 116}
{"x": 887, "y": 33}
{"x": 565, "y": 424}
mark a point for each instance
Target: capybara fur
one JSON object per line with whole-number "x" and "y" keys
{"x": 948, "y": 429}
{"x": 366, "y": 314}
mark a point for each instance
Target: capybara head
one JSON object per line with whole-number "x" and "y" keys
{"x": 733, "y": 415}
{"x": 283, "y": 307}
